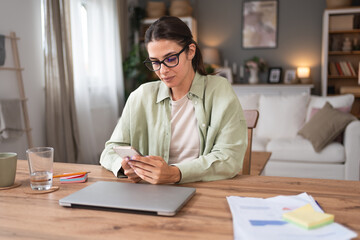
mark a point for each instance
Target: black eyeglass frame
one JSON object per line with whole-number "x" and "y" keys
{"x": 163, "y": 61}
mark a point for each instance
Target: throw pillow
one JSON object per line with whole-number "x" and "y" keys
{"x": 281, "y": 116}
{"x": 342, "y": 101}
{"x": 341, "y": 109}
{"x": 325, "y": 126}
{"x": 339, "y": 138}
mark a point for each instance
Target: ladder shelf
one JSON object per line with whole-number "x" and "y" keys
{"x": 18, "y": 69}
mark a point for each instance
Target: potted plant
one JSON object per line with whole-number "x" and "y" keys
{"x": 135, "y": 73}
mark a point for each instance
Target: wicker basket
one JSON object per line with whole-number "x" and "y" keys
{"x": 180, "y": 8}
{"x": 338, "y": 3}
{"x": 155, "y": 9}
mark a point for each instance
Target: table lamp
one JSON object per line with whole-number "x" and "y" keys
{"x": 303, "y": 73}
{"x": 211, "y": 56}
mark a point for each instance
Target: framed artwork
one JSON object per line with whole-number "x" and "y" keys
{"x": 290, "y": 76}
{"x": 259, "y": 24}
{"x": 274, "y": 75}
{"x": 225, "y": 72}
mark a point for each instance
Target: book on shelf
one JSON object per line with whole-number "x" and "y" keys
{"x": 351, "y": 68}
{"x": 355, "y": 90}
{"x": 359, "y": 74}
{"x": 345, "y": 68}
{"x": 341, "y": 22}
{"x": 356, "y": 21}
{"x": 332, "y": 69}
{"x": 341, "y": 68}
{"x": 338, "y": 67}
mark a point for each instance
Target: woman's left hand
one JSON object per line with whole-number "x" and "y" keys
{"x": 154, "y": 169}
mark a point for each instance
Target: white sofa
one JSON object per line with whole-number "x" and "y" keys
{"x": 280, "y": 119}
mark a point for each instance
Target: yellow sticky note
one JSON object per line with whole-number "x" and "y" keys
{"x": 308, "y": 218}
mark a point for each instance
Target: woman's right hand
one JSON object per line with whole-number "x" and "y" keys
{"x": 129, "y": 172}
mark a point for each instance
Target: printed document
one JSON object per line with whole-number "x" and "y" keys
{"x": 258, "y": 218}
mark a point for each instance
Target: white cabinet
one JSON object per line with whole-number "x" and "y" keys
{"x": 272, "y": 89}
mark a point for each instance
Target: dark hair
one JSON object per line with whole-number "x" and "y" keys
{"x": 173, "y": 28}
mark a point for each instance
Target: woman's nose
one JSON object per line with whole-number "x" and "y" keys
{"x": 164, "y": 68}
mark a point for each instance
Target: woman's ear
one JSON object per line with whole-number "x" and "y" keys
{"x": 191, "y": 52}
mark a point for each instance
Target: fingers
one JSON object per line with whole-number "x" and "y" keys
{"x": 147, "y": 176}
{"x": 145, "y": 167}
{"x": 152, "y": 169}
{"x": 129, "y": 171}
{"x": 149, "y": 160}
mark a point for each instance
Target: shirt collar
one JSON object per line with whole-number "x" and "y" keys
{"x": 197, "y": 88}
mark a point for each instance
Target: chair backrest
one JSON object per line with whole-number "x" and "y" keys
{"x": 251, "y": 117}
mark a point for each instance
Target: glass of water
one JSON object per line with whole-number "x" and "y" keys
{"x": 41, "y": 167}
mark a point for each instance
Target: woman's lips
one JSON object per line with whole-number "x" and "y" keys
{"x": 167, "y": 79}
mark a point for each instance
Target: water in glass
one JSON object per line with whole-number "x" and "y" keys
{"x": 41, "y": 180}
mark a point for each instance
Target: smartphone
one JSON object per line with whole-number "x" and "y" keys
{"x": 126, "y": 151}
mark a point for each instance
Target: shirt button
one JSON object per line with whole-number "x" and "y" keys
{"x": 203, "y": 125}
{"x": 195, "y": 102}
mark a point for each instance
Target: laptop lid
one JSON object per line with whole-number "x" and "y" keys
{"x": 160, "y": 199}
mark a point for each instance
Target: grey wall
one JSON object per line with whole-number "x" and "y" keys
{"x": 299, "y": 33}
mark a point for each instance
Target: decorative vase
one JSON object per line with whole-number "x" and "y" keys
{"x": 254, "y": 76}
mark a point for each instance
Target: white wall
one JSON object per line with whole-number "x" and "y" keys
{"x": 24, "y": 18}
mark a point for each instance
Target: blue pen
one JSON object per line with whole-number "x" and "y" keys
{"x": 319, "y": 205}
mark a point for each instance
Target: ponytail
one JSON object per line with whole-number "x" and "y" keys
{"x": 197, "y": 61}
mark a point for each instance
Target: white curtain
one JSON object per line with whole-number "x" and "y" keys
{"x": 98, "y": 80}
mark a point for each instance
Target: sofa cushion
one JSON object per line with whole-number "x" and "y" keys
{"x": 250, "y": 101}
{"x": 347, "y": 109}
{"x": 325, "y": 126}
{"x": 281, "y": 116}
{"x": 259, "y": 144}
{"x": 299, "y": 149}
{"x": 342, "y": 101}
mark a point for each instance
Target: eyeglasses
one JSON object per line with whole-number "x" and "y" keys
{"x": 170, "y": 61}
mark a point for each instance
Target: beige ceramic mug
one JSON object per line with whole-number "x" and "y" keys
{"x": 7, "y": 168}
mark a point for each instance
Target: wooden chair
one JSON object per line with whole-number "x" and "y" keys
{"x": 251, "y": 117}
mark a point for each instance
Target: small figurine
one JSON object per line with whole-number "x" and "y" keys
{"x": 347, "y": 45}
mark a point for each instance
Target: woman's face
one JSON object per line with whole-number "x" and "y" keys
{"x": 180, "y": 76}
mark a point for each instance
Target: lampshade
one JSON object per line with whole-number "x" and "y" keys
{"x": 303, "y": 72}
{"x": 211, "y": 56}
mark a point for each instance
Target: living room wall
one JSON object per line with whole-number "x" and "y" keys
{"x": 299, "y": 33}
{"x": 24, "y": 18}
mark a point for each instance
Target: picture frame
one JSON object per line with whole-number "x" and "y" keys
{"x": 290, "y": 76}
{"x": 225, "y": 72}
{"x": 274, "y": 75}
{"x": 259, "y": 24}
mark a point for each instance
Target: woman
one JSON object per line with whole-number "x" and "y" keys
{"x": 189, "y": 126}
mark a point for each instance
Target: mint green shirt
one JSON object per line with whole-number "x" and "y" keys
{"x": 145, "y": 125}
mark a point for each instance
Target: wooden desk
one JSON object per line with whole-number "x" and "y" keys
{"x": 205, "y": 216}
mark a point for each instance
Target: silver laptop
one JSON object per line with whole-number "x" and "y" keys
{"x": 160, "y": 199}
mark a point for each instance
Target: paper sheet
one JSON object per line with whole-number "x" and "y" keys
{"x": 258, "y": 218}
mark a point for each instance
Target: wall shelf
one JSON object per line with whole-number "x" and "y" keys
{"x": 334, "y": 84}
{"x": 12, "y": 68}
{"x": 353, "y": 31}
{"x": 341, "y": 77}
{"x": 18, "y": 70}
{"x": 344, "y": 52}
